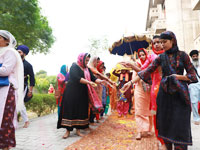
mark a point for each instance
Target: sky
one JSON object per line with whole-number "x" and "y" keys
{"x": 75, "y": 21}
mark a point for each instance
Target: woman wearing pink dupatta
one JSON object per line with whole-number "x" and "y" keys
{"x": 142, "y": 101}
{"x": 75, "y": 102}
{"x": 155, "y": 76}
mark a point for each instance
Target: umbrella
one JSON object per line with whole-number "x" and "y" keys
{"x": 128, "y": 45}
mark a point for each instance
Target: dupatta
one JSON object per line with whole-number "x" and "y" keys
{"x": 169, "y": 83}
{"x": 94, "y": 100}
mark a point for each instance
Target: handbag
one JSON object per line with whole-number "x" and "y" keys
{"x": 4, "y": 80}
{"x": 57, "y": 93}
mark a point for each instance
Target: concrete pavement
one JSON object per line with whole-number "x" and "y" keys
{"x": 43, "y": 135}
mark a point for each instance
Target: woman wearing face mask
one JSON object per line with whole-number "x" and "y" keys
{"x": 173, "y": 101}
{"x": 11, "y": 92}
{"x": 142, "y": 101}
{"x": 75, "y": 101}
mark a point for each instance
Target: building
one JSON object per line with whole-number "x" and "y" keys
{"x": 180, "y": 16}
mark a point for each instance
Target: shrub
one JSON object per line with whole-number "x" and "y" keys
{"x": 42, "y": 104}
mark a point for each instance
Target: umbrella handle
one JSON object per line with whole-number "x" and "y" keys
{"x": 130, "y": 48}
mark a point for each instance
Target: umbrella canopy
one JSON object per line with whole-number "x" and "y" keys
{"x": 128, "y": 45}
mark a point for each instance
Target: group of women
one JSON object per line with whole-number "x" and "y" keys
{"x": 161, "y": 93}
{"x": 169, "y": 98}
{"x": 167, "y": 102}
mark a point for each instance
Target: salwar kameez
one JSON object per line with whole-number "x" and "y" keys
{"x": 173, "y": 103}
{"x": 143, "y": 115}
{"x": 142, "y": 109}
{"x": 75, "y": 102}
{"x": 7, "y": 130}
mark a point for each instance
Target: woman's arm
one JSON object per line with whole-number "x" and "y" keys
{"x": 131, "y": 65}
{"x": 115, "y": 73}
{"x": 8, "y": 63}
{"x": 84, "y": 81}
{"x": 131, "y": 82}
{"x": 181, "y": 77}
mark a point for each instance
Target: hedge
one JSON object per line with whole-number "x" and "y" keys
{"x": 41, "y": 104}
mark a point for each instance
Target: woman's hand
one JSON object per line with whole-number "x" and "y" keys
{"x": 127, "y": 64}
{"x": 93, "y": 84}
{"x": 126, "y": 87}
{"x": 131, "y": 65}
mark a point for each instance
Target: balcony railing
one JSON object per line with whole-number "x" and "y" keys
{"x": 159, "y": 26}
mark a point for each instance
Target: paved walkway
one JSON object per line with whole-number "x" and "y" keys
{"x": 43, "y": 135}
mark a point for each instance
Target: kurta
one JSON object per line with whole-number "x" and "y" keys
{"x": 173, "y": 103}
{"x": 142, "y": 108}
{"x": 156, "y": 77}
{"x": 194, "y": 90}
{"x": 8, "y": 100}
{"x": 9, "y": 61}
{"x": 74, "y": 107}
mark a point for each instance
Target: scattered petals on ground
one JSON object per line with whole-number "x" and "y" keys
{"x": 115, "y": 134}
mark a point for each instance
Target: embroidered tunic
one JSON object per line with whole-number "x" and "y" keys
{"x": 173, "y": 103}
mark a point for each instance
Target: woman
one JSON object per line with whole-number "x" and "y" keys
{"x": 173, "y": 102}
{"x": 61, "y": 81}
{"x": 79, "y": 89}
{"x": 156, "y": 78}
{"x": 12, "y": 92}
{"x": 142, "y": 102}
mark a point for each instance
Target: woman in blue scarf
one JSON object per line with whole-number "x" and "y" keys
{"x": 62, "y": 79}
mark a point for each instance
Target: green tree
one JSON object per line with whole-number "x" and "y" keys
{"x": 42, "y": 85}
{"x": 98, "y": 45}
{"x": 52, "y": 80}
{"x": 24, "y": 20}
{"x": 41, "y": 74}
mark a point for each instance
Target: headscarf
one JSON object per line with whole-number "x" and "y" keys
{"x": 145, "y": 86}
{"x": 19, "y": 73}
{"x": 194, "y": 52}
{"x": 23, "y": 48}
{"x": 168, "y": 35}
{"x": 63, "y": 70}
{"x": 81, "y": 60}
{"x": 94, "y": 99}
{"x": 92, "y": 60}
{"x": 141, "y": 60}
{"x": 99, "y": 65}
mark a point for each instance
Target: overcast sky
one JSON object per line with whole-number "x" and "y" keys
{"x": 75, "y": 21}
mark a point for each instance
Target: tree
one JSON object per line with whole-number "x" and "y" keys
{"x": 52, "y": 80}
{"x": 98, "y": 45}
{"x": 42, "y": 85}
{"x": 41, "y": 74}
{"x": 24, "y": 20}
